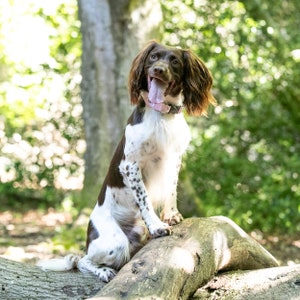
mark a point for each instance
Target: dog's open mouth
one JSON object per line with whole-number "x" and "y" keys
{"x": 157, "y": 89}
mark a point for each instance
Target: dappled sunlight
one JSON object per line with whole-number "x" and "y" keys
{"x": 28, "y": 254}
{"x": 284, "y": 247}
{"x": 25, "y": 237}
{"x": 182, "y": 259}
{"x": 296, "y": 54}
{"x": 221, "y": 250}
{"x": 32, "y": 53}
{"x": 232, "y": 224}
{"x": 154, "y": 16}
{"x": 40, "y": 125}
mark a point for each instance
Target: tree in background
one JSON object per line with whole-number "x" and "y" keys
{"x": 112, "y": 34}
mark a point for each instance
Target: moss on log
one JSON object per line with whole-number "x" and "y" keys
{"x": 174, "y": 267}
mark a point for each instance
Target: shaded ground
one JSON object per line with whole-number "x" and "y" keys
{"x": 28, "y": 237}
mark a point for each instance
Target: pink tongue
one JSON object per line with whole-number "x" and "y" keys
{"x": 156, "y": 91}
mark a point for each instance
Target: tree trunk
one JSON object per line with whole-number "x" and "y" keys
{"x": 171, "y": 267}
{"x": 112, "y": 33}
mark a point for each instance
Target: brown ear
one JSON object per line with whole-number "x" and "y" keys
{"x": 197, "y": 83}
{"x": 137, "y": 78}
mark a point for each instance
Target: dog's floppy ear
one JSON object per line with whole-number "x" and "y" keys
{"x": 197, "y": 83}
{"x": 137, "y": 77}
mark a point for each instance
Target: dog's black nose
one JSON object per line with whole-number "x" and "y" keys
{"x": 159, "y": 70}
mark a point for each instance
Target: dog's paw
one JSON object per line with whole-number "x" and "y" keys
{"x": 162, "y": 230}
{"x": 106, "y": 274}
{"x": 173, "y": 219}
{"x": 72, "y": 260}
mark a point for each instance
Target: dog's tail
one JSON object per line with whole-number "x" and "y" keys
{"x": 66, "y": 263}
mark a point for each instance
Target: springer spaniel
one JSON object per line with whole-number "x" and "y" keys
{"x": 140, "y": 187}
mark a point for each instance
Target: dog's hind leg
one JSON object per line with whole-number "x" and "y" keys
{"x": 104, "y": 273}
{"x": 108, "y": 252}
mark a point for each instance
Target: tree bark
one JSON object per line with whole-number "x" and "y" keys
{"x": 21, "y": 281}
{"x": 264, "y": 284}
{"x": 172, "y": 267}
{"x": 112, "y": 34}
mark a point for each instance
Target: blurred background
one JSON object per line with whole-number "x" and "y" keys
{"x": 243, "y": 161}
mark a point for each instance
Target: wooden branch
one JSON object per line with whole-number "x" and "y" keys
{"x": 266, "y": 284}
{"x": 173, "y": 267}
{"x": 22, "y": 281}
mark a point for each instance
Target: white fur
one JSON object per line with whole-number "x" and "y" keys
{"x": 152, "y": 157}
{"x": 163, "y": 137}
{"x": 59, "y": 264}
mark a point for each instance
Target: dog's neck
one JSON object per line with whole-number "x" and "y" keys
{"x": 171, "y": 105}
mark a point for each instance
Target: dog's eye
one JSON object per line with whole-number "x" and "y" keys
{"x": 153, "y": 57}
{"x": 175, "y": 62}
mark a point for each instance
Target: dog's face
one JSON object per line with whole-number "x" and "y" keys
{"x": 165, "y": 65}
{"x": 180, "y": 70}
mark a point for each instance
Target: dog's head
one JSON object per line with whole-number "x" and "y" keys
{"x": 178, "y": 70}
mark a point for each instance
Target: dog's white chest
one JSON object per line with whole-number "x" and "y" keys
{"x": 157, "y": 145}
{"x": 156, "y": 135}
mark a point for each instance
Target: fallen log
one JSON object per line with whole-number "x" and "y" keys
{"x": 23, "y": 281}
{"x": 172, "y": 267}
{"x": 264, "y": 284}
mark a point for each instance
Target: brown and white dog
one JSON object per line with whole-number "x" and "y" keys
{"x": 139, "y": 192}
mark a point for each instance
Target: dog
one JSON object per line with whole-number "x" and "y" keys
{"x": 138, "y": 196}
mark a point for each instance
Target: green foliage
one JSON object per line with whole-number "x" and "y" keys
{"x": 244, "y": 160}
{"x": 70, "y": 239}
{"x": 41, "y": 140}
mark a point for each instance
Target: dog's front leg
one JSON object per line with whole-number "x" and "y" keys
{"x": 133, "y": 178}
{"x": 170, "y": 213}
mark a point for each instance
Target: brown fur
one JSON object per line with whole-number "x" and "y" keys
{"x": 197, "y": 80}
